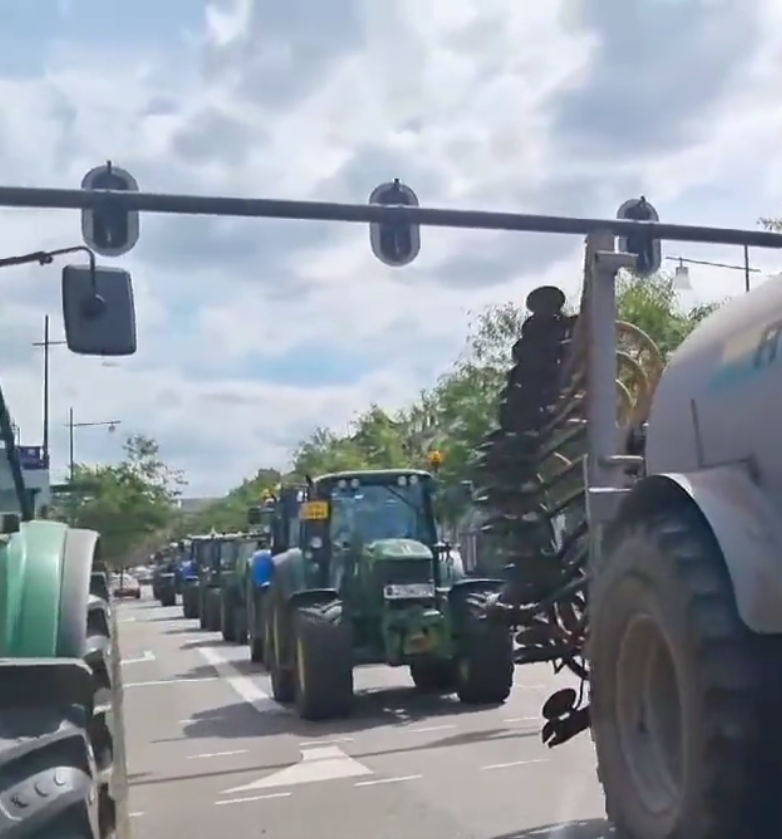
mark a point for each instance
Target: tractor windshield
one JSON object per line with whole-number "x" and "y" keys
{"x": 379, "y": 511}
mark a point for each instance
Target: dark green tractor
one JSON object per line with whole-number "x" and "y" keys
{"x": 236, "y": 553}
{"x": 265, "y": 522}
{"x": 209, "y": 582}
{"x": 188, "y": 578}
{"x": 359, "y": 576}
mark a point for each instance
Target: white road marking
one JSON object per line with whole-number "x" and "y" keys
{"x": 324, "y": 763}
{"x": 243, "y": 686}
{"x": 523, "y": 719}
{"x": 427, "y": 729}
{"x": 514, "y": 763}
{"x": 387, "y": 781}
{"x": 330, "y": 742}
{"x": 148, "y": 655}
{"x": 135, "y": 815}
{"x": 217, "y": 754}
{"x": 171, "y": 682}
{"x": 252, "y": 798}
{"x": 127, "y": 620}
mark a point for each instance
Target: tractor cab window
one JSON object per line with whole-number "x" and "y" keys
{"x": 227, "y": 551}
{"x": 364, "y": 514}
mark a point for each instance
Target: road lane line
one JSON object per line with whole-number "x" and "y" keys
{"x": 147, "y": 655}
{"x": 171, "y": 682}
{"x": 333, "y": 741}
{"x": 218, "y": 754}
{"x": 252, "y": 798}
{"x": 427, "y": 729}
{"x": 514, "y": 763}
{"x": 523, "y": 719}
{"x": 243, "y": 686}
{"x": 396, "y": 780}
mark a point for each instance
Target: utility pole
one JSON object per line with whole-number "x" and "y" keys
{"x": 46, "y": 344}
{"x": 71, "y": 425}
{"x": 682, "y": 276}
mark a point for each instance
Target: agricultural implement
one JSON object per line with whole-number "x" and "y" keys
{"x": 367, "y": 581}
{"x": 62, "y": 747}
{"x": 672, "y": 529}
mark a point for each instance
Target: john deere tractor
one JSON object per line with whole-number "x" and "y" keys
{"x": 208, "y": 559}
{"x": 266, "y": 523}
{"x": 360, "y": 577}
{"x": 237, "y": 552}
{"x": 188, "y": 579}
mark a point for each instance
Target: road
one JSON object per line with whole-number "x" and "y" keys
{"x": 211, "y": 756}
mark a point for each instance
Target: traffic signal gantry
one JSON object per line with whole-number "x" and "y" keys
{"x": 111, "y": 229}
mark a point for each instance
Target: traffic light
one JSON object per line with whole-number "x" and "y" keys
{"x": 395, "y": 244}
{"x": 647, "y": 251}
{"x": 108, "y": 229}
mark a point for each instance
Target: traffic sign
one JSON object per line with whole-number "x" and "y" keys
{"x": 395, "y": 244}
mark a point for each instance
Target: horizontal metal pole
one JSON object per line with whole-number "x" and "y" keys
{"x": 149, "y": 202}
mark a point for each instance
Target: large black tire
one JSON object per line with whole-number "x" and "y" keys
{"x": 434, "y": 676}
{"x": 323, "y": 662}
{"x": 62, "y": 746}
{"x": 279, "y": 642}
{"x": 227, "y": 624}
{"x": 484, "y": 661}
{"x": 255, "y": 634}
{"x": 213, "y": 610}
{"x": 240, "y": 623}
{"x": 203, "y": 611}
{"x": 189, "y": 602}
{"x": 685, "y": 700}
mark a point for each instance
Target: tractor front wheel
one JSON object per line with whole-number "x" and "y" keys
{"x": 484, "y": 662}
{"x": 277, "y": 644}
{"x": 323, "y": 662}
{"x": 434, "y": 676}
{"x": 212, "y": 610}
{"x": 684, "y": 698}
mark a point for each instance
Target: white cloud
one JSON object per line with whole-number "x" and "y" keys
{"x": 555, "y": 107}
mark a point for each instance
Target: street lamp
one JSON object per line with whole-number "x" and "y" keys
{"x": 681, "y": 274}
{"x": 46, "y": 343}
{"x": 111, "y": 425}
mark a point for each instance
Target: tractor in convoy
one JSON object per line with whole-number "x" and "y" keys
{"x": 359, "y": 576}
{"x": 234, "y": 582}
{"x": 62, "y": 747}
{"x": 188, "y": 578}
{"x": 264, "y": 523}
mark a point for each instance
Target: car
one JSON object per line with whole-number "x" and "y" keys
{"x": 125, "y": 585}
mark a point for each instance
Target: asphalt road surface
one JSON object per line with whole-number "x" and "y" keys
{"x": 212, "y": 756}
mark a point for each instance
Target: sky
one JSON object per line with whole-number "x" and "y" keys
{"x": 252, "y": 332}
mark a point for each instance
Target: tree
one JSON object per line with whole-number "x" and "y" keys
{"x": 229, "y": 514}
{"x": 131, "y": 504}
{"x": 455, "y": 414}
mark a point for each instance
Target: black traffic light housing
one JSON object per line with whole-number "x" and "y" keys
{"x": 646, "y": 250}
{"x": 396, "y": 244}
{"x": 108, "y": 229}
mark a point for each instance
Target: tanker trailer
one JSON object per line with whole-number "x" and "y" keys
{"x": 676, "y": 539}
{"x": 685, "y": 647}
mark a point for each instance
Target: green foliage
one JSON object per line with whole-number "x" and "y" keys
{"x": 229, "y": 514}
{"x": 130, "y": 504}
{"x": 455, "y": 414}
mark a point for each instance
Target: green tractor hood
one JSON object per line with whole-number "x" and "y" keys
{"x": 408, "y": 549}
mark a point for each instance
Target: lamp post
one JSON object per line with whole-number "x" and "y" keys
{"x": 682, "y": 273}
{"x": 72, "y": 426}
{"x": 46, "y": 344}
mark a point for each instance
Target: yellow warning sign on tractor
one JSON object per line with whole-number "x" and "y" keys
{"x": 314, "y": 511}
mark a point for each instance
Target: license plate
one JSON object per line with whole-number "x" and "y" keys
{"x": 408, "y": 591}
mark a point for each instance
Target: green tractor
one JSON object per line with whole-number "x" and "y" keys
{"x": 265, "y": 522}
{"x": 188, "y": 572}
{"x": 359, "y": 576}
{"x": 236, "y": 553}
{"x": 62, "y": 747}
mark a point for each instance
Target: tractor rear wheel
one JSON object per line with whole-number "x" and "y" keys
{"x": 277, "y": 645}
{"x": 484, "y": 662}
{"x": 434, "y": 676}
{"x": 257, "y": 630}
{"x": 685, "y": 700}
{"x": 190, "y": 602}
{"x": 212, "y": 604}
{"x": 227, "y": 623}
{"x": 323, "y": 662}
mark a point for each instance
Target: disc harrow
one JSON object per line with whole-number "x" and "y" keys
{"x": 530, "y": 478}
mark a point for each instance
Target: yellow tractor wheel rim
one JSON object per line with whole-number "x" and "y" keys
{"x": 301, "y": 666}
